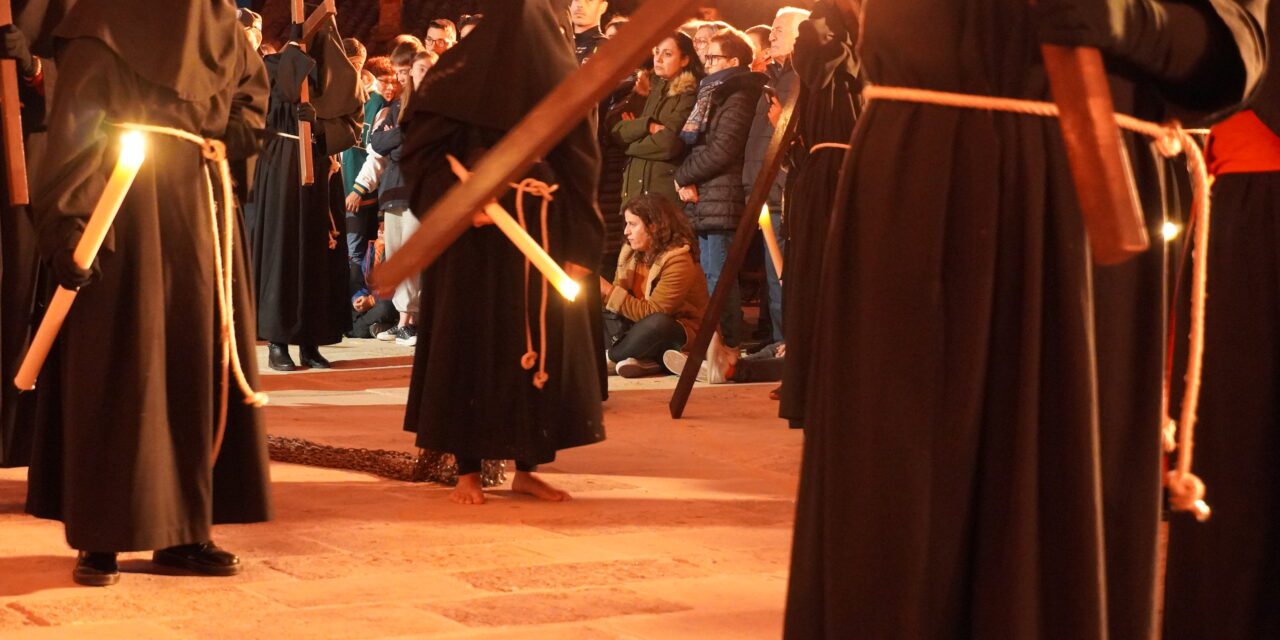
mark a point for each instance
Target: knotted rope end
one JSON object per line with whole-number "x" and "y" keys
{"x": 1186, "y": 493}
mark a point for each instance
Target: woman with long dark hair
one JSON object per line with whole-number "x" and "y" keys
{"x": 652, "y": 136}
{"x": 659, "y": 293}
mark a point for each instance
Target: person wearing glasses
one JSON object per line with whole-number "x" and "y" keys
{"x": 709, "y": 181}
{"x": 441, "y": 36}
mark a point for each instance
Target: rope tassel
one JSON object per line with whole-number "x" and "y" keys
{"x": 1186, "y": 490}
{"x": 223, "y": 230}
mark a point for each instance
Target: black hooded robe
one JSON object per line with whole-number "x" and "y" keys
{"x": 19, "y": 268}
{"x": 129, "y": 398}
{"x": 299, "y": 267}
{"x": 827, "y": 110}
{"x": 470, "y": 395}
{"x": 1223, "y": 575}
{"x": 982, "y": 436}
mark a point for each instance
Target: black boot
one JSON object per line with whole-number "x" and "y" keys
{"x": 278, "y": 357}
{"x": 205, "y": 558}
{"x": 309, "y": 355}
{"x": 96, "y": 569}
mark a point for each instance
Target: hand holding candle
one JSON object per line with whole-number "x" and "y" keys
{"x": 133, "y": 151}
{"x": 523, "y": 241}
{"x": 771, "y": 239}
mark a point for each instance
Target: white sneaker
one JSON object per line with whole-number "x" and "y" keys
{"x": 407, "y": 336}
{"x": 720, "y": 360}
{"x": 389, "y": 335}
{"x": 635, "y": 368}
{"x": 675, "y": 360}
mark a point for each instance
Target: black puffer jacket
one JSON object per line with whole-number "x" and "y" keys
{"x": 714, "y": 165}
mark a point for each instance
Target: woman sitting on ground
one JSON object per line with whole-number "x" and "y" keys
{"x": 657, "y": 298}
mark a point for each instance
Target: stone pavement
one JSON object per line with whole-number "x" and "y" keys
{"x": 678, "y": 530}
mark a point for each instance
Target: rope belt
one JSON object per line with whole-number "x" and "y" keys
{"x": 534, "y": 357}
{"x": 215, "y": 154}
{"x": 1186, "y": 490}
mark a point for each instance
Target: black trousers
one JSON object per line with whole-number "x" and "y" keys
{"x": 382, "y": 313}
{"x": 467, "y": 466}
{"x": 647, "y": 339}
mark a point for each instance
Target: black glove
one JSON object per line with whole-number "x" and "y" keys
{"x": 828, "y": 21}
{"x": 1168, "y": 41}
{"x": 69, "y": 274}
{"x": 15, "y": 48}
{"x": 306, "y": 112}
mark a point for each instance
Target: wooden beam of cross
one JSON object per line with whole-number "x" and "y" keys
{"x": 15, "y": 156}
{"x": 533, "y": 137}
{"x": 783, "y": 134}
{"x": 309, "y": 26}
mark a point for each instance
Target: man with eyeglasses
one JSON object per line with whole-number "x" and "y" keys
{"x": 587, "y": 36}
{"x": 441, "y": 36}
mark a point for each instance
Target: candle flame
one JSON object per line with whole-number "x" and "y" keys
{"x": 764, "y": 216}
{"x": 569, "y": 289}
{"x": 133, "y": 149}
{"x": 1170, "y": 231}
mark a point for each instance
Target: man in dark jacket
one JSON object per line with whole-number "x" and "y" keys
{"x": 710, "y": 179}
{"x": 782, "y": 82}
{"x": 587, "y": 36}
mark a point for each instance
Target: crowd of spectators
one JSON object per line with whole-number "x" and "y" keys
{"x": 682, "y": 140}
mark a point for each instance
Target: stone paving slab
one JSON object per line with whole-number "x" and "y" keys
{"x": 678, "y": 529}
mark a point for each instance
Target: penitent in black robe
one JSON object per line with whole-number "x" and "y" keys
{"x": 300, "y": 268}
{"x": 1223, "y": 576}
{"x": 982, "y": 440}
{"x": 19, "y": 266}
{"x": 827, "y": 111}
{"x": 470, "y": 394}
{"x": 129, "y": 399}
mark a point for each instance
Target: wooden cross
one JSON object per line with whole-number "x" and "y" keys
{"x": 783, "y": 134}
{"x": 533, "y": 137}
{"x": 310, "y": 24}
{"x": 15, "y": 157}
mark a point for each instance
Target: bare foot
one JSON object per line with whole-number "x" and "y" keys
{"x": 529, "y": 484}
{"x": 468, "y": 490}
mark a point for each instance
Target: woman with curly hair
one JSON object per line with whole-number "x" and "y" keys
{"x": 659, "y": 293}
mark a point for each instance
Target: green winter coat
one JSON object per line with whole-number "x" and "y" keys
{"x": 653, "y": 158}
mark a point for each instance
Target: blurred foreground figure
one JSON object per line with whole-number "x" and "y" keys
{"x": 131, "y": 399}
{"x": 983, "y": 428}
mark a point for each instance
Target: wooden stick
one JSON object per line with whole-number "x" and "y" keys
{"x": 15, "y": 155}
{"x": 133, "y": 152}
{"x": 306, "y": 165}
{"x": 783, "y": 134}
{"x": 1095, "y": 151}
{"x": 523, "y": 241}
{"x": 533, "y": 137}
{"x": 313, "y": 23}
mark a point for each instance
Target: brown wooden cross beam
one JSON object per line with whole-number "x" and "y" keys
{"x": 298, "y": 14}
{"x": 15, "y": 157}
{"x": 533, "y": 137}
{"x": 783, "y": 134}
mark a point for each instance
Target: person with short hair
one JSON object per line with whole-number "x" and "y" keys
{"x": 759, "y": 35}
{"x": 587, "y": 36}
{"x": 615, "y": 23}
{"x": 709, "y": 181}
{"x": 703, "y": 34}
{"x": 441, "y": 36}
{"x": 658, "y": 294}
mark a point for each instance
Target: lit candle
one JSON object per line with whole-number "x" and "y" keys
{"x": 133, "y": 151}
{"x": 771, "y": 239}
{"x": 524, "y": 242}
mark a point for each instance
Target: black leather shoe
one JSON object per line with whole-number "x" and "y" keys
{"x": 310, "y": 356}
{"x": 205, "y": 558}
{"x": 278, "y": 357}
{"x": 96, "y": 569}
